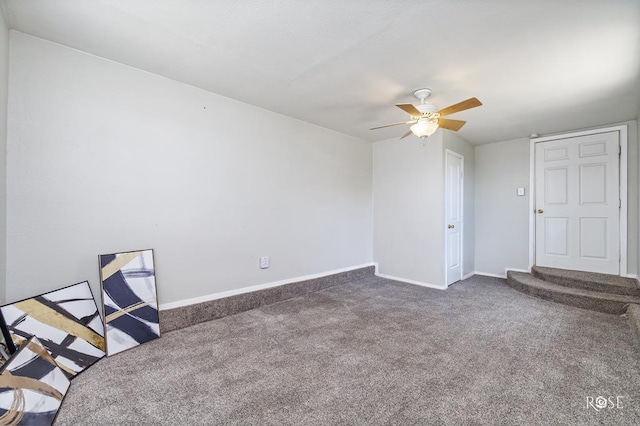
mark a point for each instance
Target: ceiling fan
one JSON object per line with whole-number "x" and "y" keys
{"x": 426, "y": 118}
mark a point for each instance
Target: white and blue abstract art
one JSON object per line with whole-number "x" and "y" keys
{"x": 66, "y": 322}
{"x": 32, "y": 386}
{"x": 129, "y": 299}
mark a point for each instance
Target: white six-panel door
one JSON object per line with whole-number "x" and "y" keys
{"x": 453, "y": 216}
{"x": 577, "y": 203}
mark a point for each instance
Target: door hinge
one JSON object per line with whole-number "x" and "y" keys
{"x": 619, "y": 149}
{"x": 619, "y": 203}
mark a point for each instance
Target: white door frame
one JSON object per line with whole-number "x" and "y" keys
{"x": 622, "y": 131}
{"x": 444, "y": 225}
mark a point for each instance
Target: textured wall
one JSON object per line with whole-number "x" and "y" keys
{"x": 633, "y": 198}
{"x": 106, "y": 158}
{"x": 501, "y": 217}
{"x": 4, "y": 85}
{"x": 408, "y": 190}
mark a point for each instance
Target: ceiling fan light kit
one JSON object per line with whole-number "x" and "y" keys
{"x": 424, "y": 128}
{"x": 425, "y": 117}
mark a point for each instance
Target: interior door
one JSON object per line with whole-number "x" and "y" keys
{"x": 453, "y": 216}
{"x": 577, "y": 203}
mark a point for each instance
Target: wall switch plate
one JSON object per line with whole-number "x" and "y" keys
{"x": 264, "y": 262}
{"x": 520, "y": 192}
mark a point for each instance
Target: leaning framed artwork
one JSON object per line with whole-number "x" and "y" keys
{"x": 66, "y": 321}
{"x": 32, "y": 386}
{"x": 129, "y": 299}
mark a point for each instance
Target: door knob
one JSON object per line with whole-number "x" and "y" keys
{"x": 540, "y": 211}
{"x": 450, "y": 226}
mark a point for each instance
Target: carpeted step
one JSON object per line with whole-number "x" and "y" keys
{"x": 633, "y": 316}
{"x": 602, "y": 283}
{"x": 579, "y": 297}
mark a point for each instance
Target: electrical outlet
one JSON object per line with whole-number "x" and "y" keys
{"x": 264, "y": 262}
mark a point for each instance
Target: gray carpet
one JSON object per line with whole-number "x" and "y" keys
{"x": 375, "y": 351}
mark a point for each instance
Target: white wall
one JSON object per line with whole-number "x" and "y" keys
{"x": 408, "y": 194}
{"x": 458, "y": 145}
{"x": 633, "y": 198}
{"x": 106, "y": 158}
{"x": 4, "y": 86}
{"x": 501, "y": 217}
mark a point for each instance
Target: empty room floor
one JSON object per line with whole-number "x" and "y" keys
{"x": 376, "y": 351}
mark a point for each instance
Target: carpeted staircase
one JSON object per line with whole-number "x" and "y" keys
{"x": 598, "y": 292}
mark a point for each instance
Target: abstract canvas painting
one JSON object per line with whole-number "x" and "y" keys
{"x": 66, "y": 321}
{"x": 129, "y": 300}
{"x": 32, "y": 386}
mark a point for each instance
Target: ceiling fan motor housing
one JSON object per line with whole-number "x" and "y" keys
{"x": 426, "y": 107}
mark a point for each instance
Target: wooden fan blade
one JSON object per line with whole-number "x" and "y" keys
{"x": 410, "y": 109}
{"x": 447, "y": 123}
{"x": 406, "y": 134}
{"x": 390, "y": 125}
{"x": 460, "y": 106}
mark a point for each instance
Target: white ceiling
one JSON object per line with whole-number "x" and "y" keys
{"x": 539, "y": 66}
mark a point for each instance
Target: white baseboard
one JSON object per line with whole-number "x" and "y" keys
{"x": 633, "y": 276}
{"x": 488, "y": 274}
{"x": 404, "y": 280}
{"x": 234, "y": 292}
{"x": 526, "y": 271}
{"x": 469, "y": 275}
